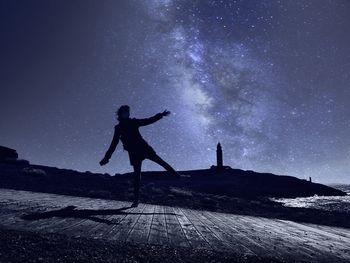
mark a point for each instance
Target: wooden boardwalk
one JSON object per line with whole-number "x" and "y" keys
{"x": 155, "y": 224}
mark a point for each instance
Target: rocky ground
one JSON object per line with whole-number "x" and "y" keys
{"x": 20, "y": 246}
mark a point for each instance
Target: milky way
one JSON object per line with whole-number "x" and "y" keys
{"x": 268, "y": 79}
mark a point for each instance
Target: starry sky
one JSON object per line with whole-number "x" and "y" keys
{"x": 268, "y": 79}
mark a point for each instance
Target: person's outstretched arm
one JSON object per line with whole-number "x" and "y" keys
{"x": 112, "y": 147}
{"x": 150, "y": 120}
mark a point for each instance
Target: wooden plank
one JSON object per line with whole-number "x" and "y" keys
{"x": 233, "y": 236}
{"x": 298, "y": 244}
{"x": 303, "y": 235}
{"x": 175, "y": 233}
{"x": 28, "y": 208}
{"x": 122, "y": 229}
{"x": 117, "y": 221}
{"x": 253, "y": 227}
{"x": 60, "y": 222}
{"x": 140, "y": 232}
{"x": 234, "y": 232}
{"x": 214, "y": 242}
{"x": 97, "y": 216}
{"x": 292, "y": 240}
{"x": 300, "y": 240}
{"x": 323, "y": 235}
{"x": 273, "y": 233}
{"x": 342, "y": 233}
{"x": 14, "y": 218}
{"x": 111, "y": 218}
{"x": 158, "y": 232}
{"x": 321, "y": 244}
{"x": 233, "y": 241}
{"x": 70, "y": 222}
{"x": 195, "y": 239}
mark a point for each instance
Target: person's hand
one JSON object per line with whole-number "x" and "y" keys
{"x": 104, "y": 161}
{"x": 165, "y": 113}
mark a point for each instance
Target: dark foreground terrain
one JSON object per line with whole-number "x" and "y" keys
{"x": 230, "y": 190}
{"x": 257, "y": 223}
{"x": 23, "y": 246}
{"x": 62, "y": 227}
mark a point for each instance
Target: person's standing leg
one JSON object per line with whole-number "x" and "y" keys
{"x": 137, "y": 178}
{"x": 157, "y": 159}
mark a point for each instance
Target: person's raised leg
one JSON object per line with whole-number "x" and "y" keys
{"x": 157, "y": 159}
{"x": 137, "y": 179}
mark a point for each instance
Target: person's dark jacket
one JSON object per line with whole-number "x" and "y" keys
{"x": 128, "y": 132}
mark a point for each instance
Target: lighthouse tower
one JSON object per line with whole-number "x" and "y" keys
{"x": 219, "y": 162}
{"x": 219, "y": 167}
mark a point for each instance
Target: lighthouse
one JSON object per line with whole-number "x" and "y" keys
{"x": 219, "y": 167}
{"x": 219, "y": 162}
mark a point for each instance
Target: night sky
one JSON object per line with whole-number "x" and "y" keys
{"x": 268, "y": 79}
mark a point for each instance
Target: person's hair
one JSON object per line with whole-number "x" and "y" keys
{"x": 122, "y": 109}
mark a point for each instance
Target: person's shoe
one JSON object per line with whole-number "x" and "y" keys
{"x": 135, "y": 203}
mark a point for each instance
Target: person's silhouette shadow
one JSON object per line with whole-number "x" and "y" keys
{"x": 91, "y": 214}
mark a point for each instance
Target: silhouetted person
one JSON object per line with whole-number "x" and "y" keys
{"x": 127, "y": 130}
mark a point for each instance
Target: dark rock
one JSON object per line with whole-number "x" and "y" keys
{"x": 7, "y": 154}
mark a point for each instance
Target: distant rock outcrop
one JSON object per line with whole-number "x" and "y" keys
{"x": 7, "y": 154}
{"x": 10, "y": 156}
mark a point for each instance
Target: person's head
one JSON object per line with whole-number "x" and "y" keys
{"x": 123, "y": 112}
